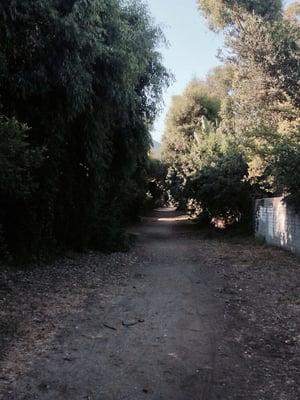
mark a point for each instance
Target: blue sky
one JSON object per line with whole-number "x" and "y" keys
{"x": 192, "y": 48}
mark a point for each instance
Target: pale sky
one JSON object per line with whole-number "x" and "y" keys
{"x": 192, "y": 48}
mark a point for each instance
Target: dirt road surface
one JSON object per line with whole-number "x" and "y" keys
{"x": 182, "y": 317}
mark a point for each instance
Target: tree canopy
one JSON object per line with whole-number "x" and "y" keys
{"x": 252, "y": 147}
{"x": 222, "y": 13}
{"x": 86, "y": 78}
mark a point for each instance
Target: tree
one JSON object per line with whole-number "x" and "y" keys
{"x": 17, "y": 161}
{"x": 264, "y": 105}
{"x": 292, "y": 12}
{"x": 183, "y": 121}
{"x": 87, "y": 78}
{"x": 156, "y": 173}
{"x": 214, "y": 162}
{"x": 262, "y": 109}
{"x": 223, "y": 13}
{"x": 286, "y": 168}
{"x": 219, "y": 81}
{"x": 272, "y": 48}
{"x": 222, "y": 189}
{"x": 211, "y": 175}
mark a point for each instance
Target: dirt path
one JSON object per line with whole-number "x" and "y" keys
{"x": 167, "y": 324}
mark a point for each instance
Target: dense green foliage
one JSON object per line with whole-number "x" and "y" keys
{"x": 287, "y": 171}
{"x": 17, "y": 162}
{"x": 156, "y": 194}
{"x": 222, "y": 13}
{"x": 251, "y": 147}
{"x": 87, "y": 79}
{"x": 271, "y": 48}
{"x": 211, "y": 175}
{"x": 222, "y": 189}
{"x": 183, "y": 122}
{"x": 264, "y": 105}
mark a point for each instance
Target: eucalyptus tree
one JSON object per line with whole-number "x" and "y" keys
{"x": 227, "y": 13}
{"x": 262, "y": 110}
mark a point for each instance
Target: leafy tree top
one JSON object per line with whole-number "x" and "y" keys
{"x": 223, "y": 13}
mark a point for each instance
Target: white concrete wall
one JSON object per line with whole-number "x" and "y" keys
{"x": 278, "y": 223}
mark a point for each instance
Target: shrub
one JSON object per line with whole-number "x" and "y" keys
{"x": 222, "y": 188}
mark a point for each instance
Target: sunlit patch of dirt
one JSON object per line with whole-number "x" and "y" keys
{"x": 174, "y": 219}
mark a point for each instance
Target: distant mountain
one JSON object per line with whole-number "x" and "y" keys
{"x": 156, "y": 145}
{"x": 155, "y": 150}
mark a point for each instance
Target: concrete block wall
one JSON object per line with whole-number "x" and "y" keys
{"x": 278, "y": 223}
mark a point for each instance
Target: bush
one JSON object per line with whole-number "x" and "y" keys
{"x": 222, "y": 189}
{"x": 156, "y": 189}
{"x": 18, "y": 160}
{"x": 286, "y": 170}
